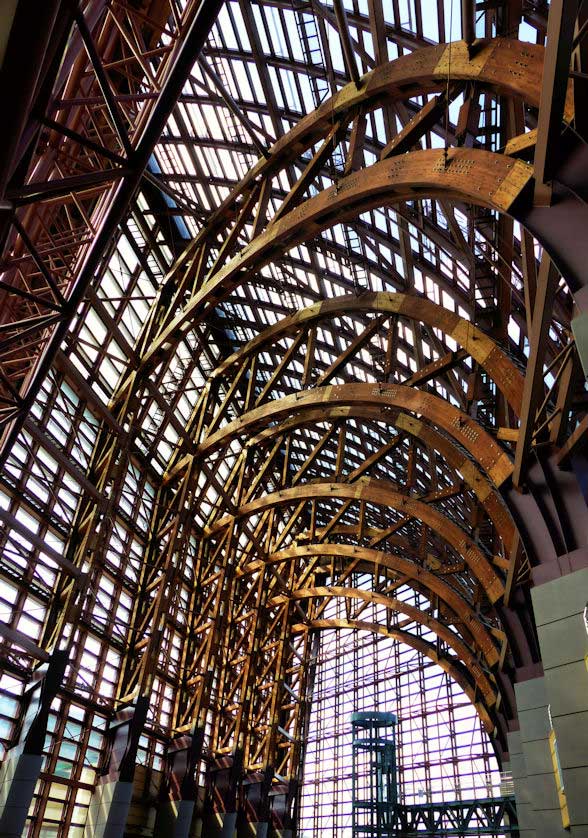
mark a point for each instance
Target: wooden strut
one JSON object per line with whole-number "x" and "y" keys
{"x": 410, "y": 75}
{"x": 221, "y": 623}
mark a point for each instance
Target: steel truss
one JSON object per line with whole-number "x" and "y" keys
{"x": 109, "y": 75}
{"x": 466, "y": 817}
{"x": 315, "y": 385}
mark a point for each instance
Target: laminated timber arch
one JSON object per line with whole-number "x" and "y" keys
{"x": 286, "y": 496}
{"x": 376, "y": 559}
{"x": 508, "y": 184}
{"x": 379, "y": 493}
{"x": 287, "y": 560}
{"x": 481, "y": 685}
{"x": 487, "y": 496}
{"x": 464, "y": 430}
{"x": 491, "y": 65}
{"x": 482, "y": 348}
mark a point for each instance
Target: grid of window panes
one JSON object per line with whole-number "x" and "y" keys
{"x": 260, "y": 53}
{"x": 443, "y": 753}
{"x": 40, "y": 489}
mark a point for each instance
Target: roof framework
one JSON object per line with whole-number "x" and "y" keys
{"x": 286, "y": 306}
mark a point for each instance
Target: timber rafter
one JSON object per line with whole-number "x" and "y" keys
{"x": 320, "y": 406}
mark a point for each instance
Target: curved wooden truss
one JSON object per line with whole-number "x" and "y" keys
{"x": 479, "y": 346}
{"x": 428, "y": 649}
{"x": 305, "y": 419}
{"x": 499, "y": 181}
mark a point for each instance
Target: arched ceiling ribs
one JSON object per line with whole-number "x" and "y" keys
{"x": 379, "y": 493}
{"x": 210, "y": 612}
{"x": 364, "y": 558}
{"x": 351, "y": 521}
{"x": 497, "y": 183}
{"x": 335, "y": 563}
{"x": 465, "y": 654}
{"x": 415, "y": 74}
{"x": 464, "y": 430}
{"x": 482, "y": 348}
{"x": 493, "y": 60}
{"x": 487, "y": 496}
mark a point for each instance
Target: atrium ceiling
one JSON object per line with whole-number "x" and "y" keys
{"x": 292, "y": 312}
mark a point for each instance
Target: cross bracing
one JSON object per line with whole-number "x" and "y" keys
{"x": 283, "y": 302}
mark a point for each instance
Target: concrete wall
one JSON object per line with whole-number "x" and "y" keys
{"x": 18, "y": 777}
{"x": 536, "y": 786}
{"x": 518, "y": 766}
{"x": 559, "y": 614}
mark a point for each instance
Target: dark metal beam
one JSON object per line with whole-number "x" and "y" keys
{"x": 346, "y": 42}
{"x": 233, "y": 106}
{"x": 556, "y": 67}
{"x": 534, "y": 386}
{"x": 20, "y": 74}
{"x": 468, "y": 21}
{"x": 188, "y": 51}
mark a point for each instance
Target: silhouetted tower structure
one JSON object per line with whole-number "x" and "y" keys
{"x": 374, "y": 773}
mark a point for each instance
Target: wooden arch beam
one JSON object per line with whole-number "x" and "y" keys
{"x": 480, "y": 177}
{"x": 380, "y": 559}
{"x": 506, "y": 66}
{"x": 463, "y": 652}
{"x": 480, "y": 346}
{"x": 487, "y": 496}
{"x": 380, "y": 493}
{"x": 386, "y": 397}
{"x": 456, "y": 672}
